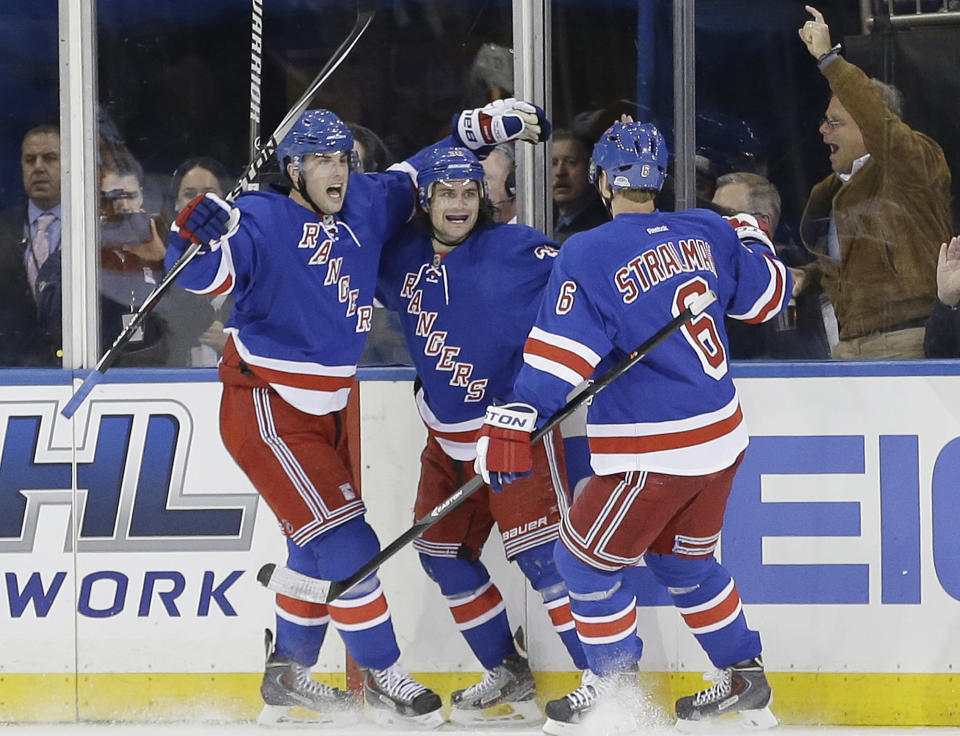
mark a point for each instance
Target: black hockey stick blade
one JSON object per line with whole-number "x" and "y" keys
{"x": 364, "y": 18}
{"x": 693, "y": 309}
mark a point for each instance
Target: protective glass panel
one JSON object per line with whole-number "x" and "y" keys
{"x": 175, "y": 119}
{"x": 845, "y": 161}
{"x": 30, "y": 216}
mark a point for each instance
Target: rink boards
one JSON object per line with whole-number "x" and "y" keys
{"x": 130, "y": 543}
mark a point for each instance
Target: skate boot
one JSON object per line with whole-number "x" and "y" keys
{"x": 505, "y": 696}
{"x": 740, "y": 688}
{"x": 288, "y": 684}
{"x": 396, "y": 699}
{"x": 565, "y": 715}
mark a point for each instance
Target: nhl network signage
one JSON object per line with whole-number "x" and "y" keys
{"x": 131, "y": 459}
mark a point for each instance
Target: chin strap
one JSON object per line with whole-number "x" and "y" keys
{"x": 302, "y": 188}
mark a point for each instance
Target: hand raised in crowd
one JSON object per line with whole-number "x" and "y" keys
{"x": 815, "y": 33}
{"x": 948, "y": 273}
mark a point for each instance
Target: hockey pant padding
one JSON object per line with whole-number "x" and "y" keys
{"x": 707, "y": 599}
{"x": 539, "y": 567}
{"x": 361, "y": 616}
{"x": 476, "y": 605}
{"x": 605, "y": 612}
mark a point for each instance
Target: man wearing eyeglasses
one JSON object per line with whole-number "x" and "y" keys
{"x": 876, "y": 223}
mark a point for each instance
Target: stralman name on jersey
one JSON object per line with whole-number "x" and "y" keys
{"x": 465, "y": 318}
{"x": 611, "y": 289}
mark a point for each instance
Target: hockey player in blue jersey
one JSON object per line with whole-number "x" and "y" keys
{"x": 467, "y": 290}
{"x": 665, "y": 438}
{"x": 302, "y": 268}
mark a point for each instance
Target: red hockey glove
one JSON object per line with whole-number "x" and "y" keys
{"x": 751, "y": 231}
{"x": 503, "y": 447}
{"x": 206, "y": 219}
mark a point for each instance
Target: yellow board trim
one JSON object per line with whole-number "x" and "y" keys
{"x": 801, "y": 698}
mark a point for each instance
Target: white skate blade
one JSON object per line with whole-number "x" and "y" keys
{"x": 759, "y": 719}
{"x": 392, "y": 719}
{"x": 562, "y": 728}
{"x": 520, "y": 713}
{"x": 289, "y": 716}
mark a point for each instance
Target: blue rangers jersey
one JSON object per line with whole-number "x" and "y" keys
{"x": 304, "y": 284}
{"x": 612, "y": 288}
{"x": 465, "y": 317}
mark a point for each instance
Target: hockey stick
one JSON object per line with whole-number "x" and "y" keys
{"x": 364, "y": 17}
{"x": 256, "y": 72}
{"x": 288, "y": 582}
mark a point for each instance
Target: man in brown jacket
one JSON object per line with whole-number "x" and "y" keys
{"x": 876, "y": 223}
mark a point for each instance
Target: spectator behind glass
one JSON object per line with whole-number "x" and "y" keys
{"x": 875, "y": 223}
{"x": 500, "y": 174}
{"x": 373, "y": 152}
{"x": 576, "y": 204}
{"x": 195, "y": 323}
{"x": 491, "y": 75}
{"x": 797, "y": 332}
{"x": 942, "y": 338}
{"x": 29, "y": 233}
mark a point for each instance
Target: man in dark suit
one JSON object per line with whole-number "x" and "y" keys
{"x": 29, "y": 235}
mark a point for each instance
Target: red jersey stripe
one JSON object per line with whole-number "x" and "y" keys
{"x": 558, "y": 355}
{"x": 669, "y": 441}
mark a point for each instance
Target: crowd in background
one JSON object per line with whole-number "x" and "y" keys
{"x": 864, "y": 251}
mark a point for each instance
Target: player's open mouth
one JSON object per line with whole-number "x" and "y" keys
{"x": 456, "y": 218}
{"x": 833, "y": 148}
{"x": 335, "y": 192}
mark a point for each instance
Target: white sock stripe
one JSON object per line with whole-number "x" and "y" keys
{"x": 630, "y": 610}
{"x": 482, "y": 618}
{"x": 302, "y": 620}
{"x": 565, "y": 627}
{"x": 385, "y": 616}
{"x": 719, "y": 624}
{"x": 363, "y": 600}
{"x": 557, "y": 603}
{"x": 454, "y": 601}
{"x": 712, "y": 603}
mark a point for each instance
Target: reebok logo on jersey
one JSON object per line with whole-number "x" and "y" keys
{"x": 657, "y": 229}
{"x": 348, "y": 493}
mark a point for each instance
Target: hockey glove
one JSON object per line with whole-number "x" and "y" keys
{"x": 752, "y": 232}
{"x": 206, "y": 219}
{"x": 503, "y": 447}
{"x": 498, "y": 122}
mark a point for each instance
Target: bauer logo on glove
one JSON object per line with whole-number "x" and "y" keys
{"x": 498, "y": 122}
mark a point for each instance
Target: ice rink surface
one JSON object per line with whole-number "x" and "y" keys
{"x": 249, "y": 729}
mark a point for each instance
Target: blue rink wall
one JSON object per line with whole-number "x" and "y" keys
{"x": 130, "y": 541}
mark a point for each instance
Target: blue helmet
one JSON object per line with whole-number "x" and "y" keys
{"x": 317, "y": 131}
{"x": 634, "y": 155}
{"x": 448, "y": 164}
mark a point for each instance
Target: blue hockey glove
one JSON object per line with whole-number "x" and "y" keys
{"x": 498, "y": 122}
{"x": 503, "y": 447}
{"x": 206, "y": 219}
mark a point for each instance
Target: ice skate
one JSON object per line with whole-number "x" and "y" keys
{"x": 288, "y": 684}
{"x": 504, "y": 697}
{"x": 741, "y": 688}
{"x": 396, "y": 699}
{"x": 565, "y": 715}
